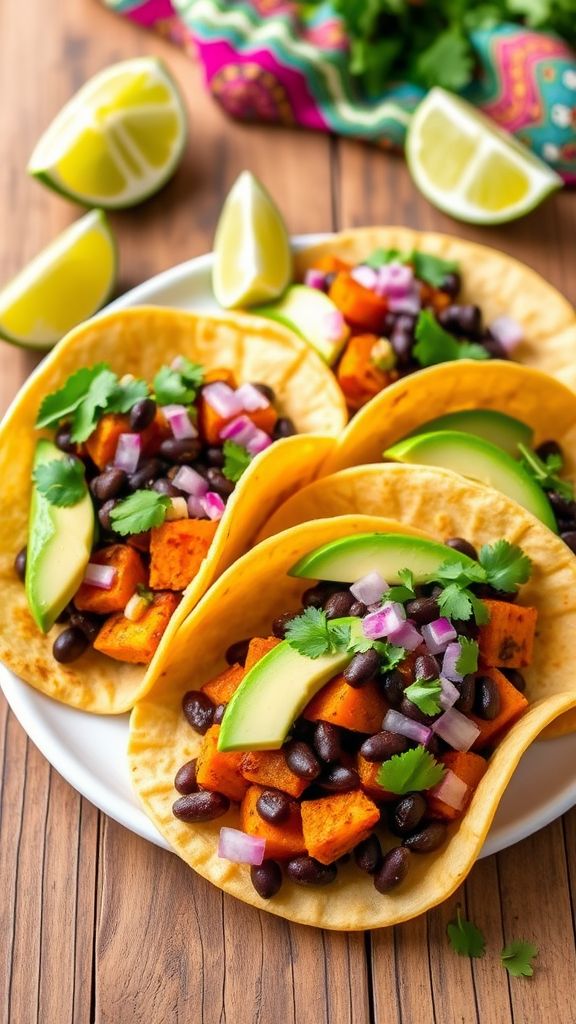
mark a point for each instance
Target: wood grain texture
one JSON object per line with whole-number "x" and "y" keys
{"x": 95, "y": 924}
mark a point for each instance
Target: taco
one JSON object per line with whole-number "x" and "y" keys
{"x": 158, "y": 443}
{"x": 334, "y": 751}
{"x": 414, "y": 299}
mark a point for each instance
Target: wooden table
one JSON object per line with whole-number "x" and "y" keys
{"x": 96, "y": 924}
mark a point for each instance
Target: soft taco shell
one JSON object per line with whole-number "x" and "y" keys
{"x": 242, "y": 603}
{"x": 491, "y": 279}
{"x": 139, "y": 341}
{"x": 446, "y": 505}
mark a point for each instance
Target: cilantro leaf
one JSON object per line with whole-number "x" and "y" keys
{"x": 545, "y": 472}
{"x": 454, "y": 602}
{"x": 236, "y": 460}
{"x": 312, "y": 635}
{"x": 447, "y": 61}
{"x": 381, "y": 257}
{"x": 93, "y": 405}
{"x": 516, "y": 957}
{"x": 405, "y": 592}
{"x": 455, "y": 570}
{"x": 410, "y": 772}
{"x": 61, "y": 481}
{"x": 465, "y": 938}
{"x": 506, "y": 565}
{"x": 140, "y": 512}
{"x": 126, "y": 395}
{"x": 435, "y": 345}
{"x": 431, "y": 269}
{"x": 468, "y": 660}
{"x": 390, "y": 655}
{"x": 67, "y": 399}
{"x": 178, "y": 384}
{"x": 425, "y": 694}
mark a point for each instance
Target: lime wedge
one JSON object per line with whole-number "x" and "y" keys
{"x": 468, "y": 167}
{"x": 118, "y": 139}
{"x": 252, "y": 258}
{"x": 65, "y": 284}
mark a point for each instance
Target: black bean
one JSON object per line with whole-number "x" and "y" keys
{"x": 142, "y": 413}
{"x": 181, "y": 451}
{"x": 165, "y": 486}
{"x": 65, "y": 614}
{"x": 569, "y": 538}
{"x": 407, "y": 814}
{"x": 393, "y": 685}
{"x": 426, "y": 667}
{"x": 368, "y": 855}
{"x": 467, "y": 690}
{"x": 383, "y": 745}
{"x": 146, "y": 474}
{"x": 358, "y": 609}
{"x": 464, "y": 547}
{"x": 20, "y": 564}
{"x": 362, "y": 668}
{"x": 463, "y": 320}
{"x": 469, "y": 629}
{"x": 69, "y": 645}
{"x": 547, "y": 448}
{"x": 339, "y": 779}
{"x": 302, "y": 760}
{"x": 328, "y": 742}
{"x": 201, "y": 806}
{"x": 315, "y": 597}
{"x": 451, "y": 284}
{"x": 266, "y": 878}
{"x": 219, "y": 711}
{"x": 493, "y": 346}
{"x": 302, "y": 729}
{"x": 236, "y": 653}
{"x": 104, "y": 515}
{"x": 515, "y": 677}
{"x": 63, "y": 439}
{"x": 265, "y": 390}
{"x": 338, "y": 604}
{"x": 402, "y": 342}
{"x": 88, "y": 624}
{"x": 273, "y": 806}
{"x": 284, "y": 427}
{"x": 215, "y": 457}
{"x": 427, "y": 838}
{"x": 422, "y": 610}
{"x": 563, "y": 507}
{"x": 198, "y": 710}
{"x": 219, "y": 483}
{"x": 393, "y": 870}
{"x": 411, "y": 711}
{"x": 108, "y": 484}
{"x": 487, "y": 699}
{"x": 185, "y": 778}
{"x": 306, "y": 870}
{"x": 280, "y": 622}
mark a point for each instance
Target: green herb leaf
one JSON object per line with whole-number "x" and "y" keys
{"x": 545, "y": 472}
{"x": 312, "y": 635}
{"x": 94, "y": 405}
{"x": 236, "y": 460}
{"x": 145, "y": 592}
{"x": 448, "y": 61}
{"x": 425, "y": 694}
{"x": 506, "y": 565}
{"x": 465, "y": 938}
{"x": 61, "y": 481}
{"x": 405, "y": 592}
{"x": 140, "y": 512}
{"x": 454, "y": 602}
{"x": 468, "y": 660}
{"x": 381, "y": 257}
{"x": 431, "y": 269}
{"x": 126, "y": 395}
{"x": 178, "y": 384}
{"x": 410, "y": 772}
{"x": 455, "y": 570}
{"x": 390, "y": 655}
{"x": 516, "y": 957}
{"x": 59, "y": 404}
{"x": 434, "y": 344}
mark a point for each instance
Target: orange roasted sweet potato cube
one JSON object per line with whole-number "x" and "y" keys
{"x": 368, "y": 772}
{"x": 223, "y": 686}
{"x": 264, "y": 419}
{"x": 124, "y": 640}
{"x": 257, "y": 648}
{"x": 361, "y": 710}
{"x": 334, "y": 825}
{"x": 506, "y": 641}
{"x": 282, "y": 841}
{"x": 512, "y": 706}
{"x": 331, "y": 264}
{"x": 177, "y": 550}
{"x": 130, "y": 572}
{"x": 102, "y": 443}
{"x": 357, "y": 374}
{"x": 217, "y": 770}
{"x": 467, "y": 766}
{"x": 269, "y": 768}
{"x": 359, "y": 306}
{"x": 220, "y": 373}
{"x": 210, "y": 422}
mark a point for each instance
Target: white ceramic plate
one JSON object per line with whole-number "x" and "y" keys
{"x": 89, "y": 750}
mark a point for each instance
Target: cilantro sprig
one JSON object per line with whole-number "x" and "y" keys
{"x": 517, "y": 958}
{"x": 468, "y": 659}
{"x": 501, "y": 565}
{"x": 61, "y": 481}
{"x": 405, "y": 591}
{"x": 465, "y": 937}
{"x": 435, "y": 345}
{"x": 178, "y": 384}
{"x": 86, "y": 396}
{"x": 312, "y": 634}
{"x": 236, "y": 460}
{"x": 414, "y": 770}
{"x": 425, "y": 694}
{"x": 139, "y": 513}
{"x": 431, "y": 269}
{"x": 546, "y": 472}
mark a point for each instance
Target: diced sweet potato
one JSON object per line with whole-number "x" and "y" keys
{"x": 330, "y": 264}
{"x": 257, "y": 648}
{"x": 282, "y": 841}
{"x": 506, "y": 641}
{"x": 360, "y": 307}
{"x": 140, "y": 541}
{"x": 223, "y": 686}
{"x": 512, "y": 706}
{"x": 467, "y": 766}
{"x": 334, "y": 825}
{"x": 361, "y": 710}
{"x": 177, "y": 550}
{"x": 102, "y": 443}
{"x": 130, "y": 572}
{"x": 136, "y": 642}
{"x": 358, "y": 376}
{"x": 219, "y": 771}
{"x": 269, "y": 768}
{"x": 210, "y": 422}
{"x": 220, "y": 373}
{"x": 264, "y": 419}
{"x": 368, "y": 772}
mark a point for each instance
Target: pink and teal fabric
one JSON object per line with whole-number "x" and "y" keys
{"x": 286, "y": 62}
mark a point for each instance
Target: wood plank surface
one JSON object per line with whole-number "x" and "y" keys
{"x": 96, "y": 925}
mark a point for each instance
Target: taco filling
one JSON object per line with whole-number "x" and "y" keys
{"x": 362, "y": 725}
{"x": 127, "y": 496}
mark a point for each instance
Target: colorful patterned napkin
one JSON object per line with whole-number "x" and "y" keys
{"x": 279, "y": 61}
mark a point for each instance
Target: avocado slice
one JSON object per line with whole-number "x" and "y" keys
{"x": 477, "y": 459}
{"x": 273, "y": 693}
{"x": 59, "y": 547}
{"x": 307, "y": 311}
{"x": 349, "y": 558}
{"x": 505, "y": 431}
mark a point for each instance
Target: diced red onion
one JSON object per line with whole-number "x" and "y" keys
{"x": 438, "y": 634}
{"x": 401, "y": 725}
{"x": 195, "y": 507}
{"x": 315, "y": 279}
{"x": 406, "y": 636}
{"x": 456, "y": 730}
{"x": 127, "y": 453}
{"x": 410, "y": 304}
{"x": 222, "y": 398}
{"x": 449, "y": 695}
{"x": 251, "y": 398}
{"x": 449, "y": 670}
{"x": 180, "y": 423}
{"x": 369, "y": 588}
{"x": 383, "y": 622}
{"x": 365, "y": 275}
{"x": 241, "y": 430}
{"x": 258, "y": 442}
{"x": 239, "y": 847}
{"x": 508, "y": 332}
{"x": 212, "y": 505}
{"x": 451, "y": 790}
{"x": 187, "y": 479}
{"x": 395, "y": 281}
{"x": 101, "y": 576}
{"x": 334, "y": 326}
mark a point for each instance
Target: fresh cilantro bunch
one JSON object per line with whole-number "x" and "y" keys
{"x": 61, "y": 481}
{"x": 546, "y": 472}
{"x": 86, "y": 396}
{"x": 435, "y": 345}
